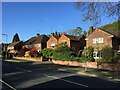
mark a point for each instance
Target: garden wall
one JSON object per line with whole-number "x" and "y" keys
{"x": 30, "y": 59}
{"x": 112, "y": 67}
{"x": 74, "y": 63}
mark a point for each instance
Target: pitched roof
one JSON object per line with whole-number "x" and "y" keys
{"x": 115, "y": 33}
{"x": 37, "y": 39}
{"x": 57, "y": 37}
{"x": 71, "y": 37}
{"x": 81, "y": 37}
{"x": 14, "y": 43}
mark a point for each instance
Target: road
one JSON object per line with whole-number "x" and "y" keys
{"x": 45, "y": 75}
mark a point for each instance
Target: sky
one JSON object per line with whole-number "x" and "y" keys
{"x": 29, "y": 18}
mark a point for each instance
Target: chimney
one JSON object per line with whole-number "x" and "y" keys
{"x": 38, "y": 34}
{"x": 91, "y": 29}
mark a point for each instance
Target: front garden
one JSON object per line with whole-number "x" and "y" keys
{"x": 107, "y": 57}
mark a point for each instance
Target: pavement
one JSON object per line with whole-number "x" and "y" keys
{"x": 29, "y": 75}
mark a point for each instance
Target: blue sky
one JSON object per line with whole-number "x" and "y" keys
{"x": 27, "y": 19}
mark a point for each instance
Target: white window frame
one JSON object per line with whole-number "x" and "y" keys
{"x": 52, "y": 44}
{"x": 39, "y": 44}
{"x": 98, "y": 40}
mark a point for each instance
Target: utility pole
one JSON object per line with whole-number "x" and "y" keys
{"x": 5, "y": 45}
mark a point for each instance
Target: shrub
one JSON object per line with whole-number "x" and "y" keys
{"x": 107, "y": 53}
{"x": 34, "y": 53}
{"x": 22, "y": 52}
{"x": 88, "y": 53}
{"x": 47, "y": 52}
{"x": 27, "y": 54}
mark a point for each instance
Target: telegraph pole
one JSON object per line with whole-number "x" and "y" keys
{"x": 6, "y": 44}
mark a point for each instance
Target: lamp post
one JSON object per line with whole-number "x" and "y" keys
{"x": 6, "y": 44}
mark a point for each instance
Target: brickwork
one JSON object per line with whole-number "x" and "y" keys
{"x": 112, "y": 67}
{"x": 107, "y": 39}
{"x": 52, "y": 40}
{"x": 29, "y": 59}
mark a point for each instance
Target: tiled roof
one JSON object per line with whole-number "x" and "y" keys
{"x": 115, "y": 33}
{"x": 71, "y": 37}
{"x": 14, "y": 43}
{"x": 57, "y": 37}
{"x": 37, "y": 39}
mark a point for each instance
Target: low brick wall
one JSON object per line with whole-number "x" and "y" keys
{"x": 112, "y": 67}
{"x": 74, "y": 63}
{"x": 30, "y": 59}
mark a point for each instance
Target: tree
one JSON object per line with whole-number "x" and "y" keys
{"x": 75, "y": 32}
{"x": 94, "y": 11}
{"x": 16, "y": 38}
{"x": 85, "y": 33}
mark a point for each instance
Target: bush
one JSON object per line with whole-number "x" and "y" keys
{"x": 27, "y": 54}
{"x": 47, "y": 52}
{"x": 88, "y": 53}
{"x": 107, "y": 53}
{"x": 34, "y": 53}
{"x": 22, "y": 52}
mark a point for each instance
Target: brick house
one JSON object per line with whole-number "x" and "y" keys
{"x": 75, "y": 43}
{"x": 99, "y": 38}
{"x": 38, "y": 42}
{"x": 53, "y": 41}
{"x": 15, "y": 47}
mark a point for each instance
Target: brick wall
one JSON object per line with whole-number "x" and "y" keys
{"x": 112, "y": 67}
{"x": 29, "y": 59}
{"x": 74, "y": 63}
{"x": 52, "y": 40}
{"x": 64, "y": 38}
{"x": 107, "y": 40}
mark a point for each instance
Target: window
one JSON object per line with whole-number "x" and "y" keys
{"x": 64, "y": 42}
{"x": 39, "y": 45}
{"x": 97, "y": 40}
{"x": 52, "y": 44}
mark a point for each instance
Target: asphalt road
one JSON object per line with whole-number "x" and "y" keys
{"x": 31, "y": 75}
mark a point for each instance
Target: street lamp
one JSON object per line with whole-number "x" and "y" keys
{"x": 6, "y": 44}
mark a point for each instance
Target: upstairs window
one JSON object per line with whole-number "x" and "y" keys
{"x": 64, "y": 42}
{"x": 39, "y": 45}
{"x": 52, "y": 44}
{"x": 97, "y": 40}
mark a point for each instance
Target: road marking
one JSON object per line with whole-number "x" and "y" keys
{"x": 55, "y": 77}
{"x": 13, "y": 73}
{"x": 17, "y": 68}
{"x": 66, "y": 80}
{"x": 7, "y": 84}
{"x": 22, "y": 69}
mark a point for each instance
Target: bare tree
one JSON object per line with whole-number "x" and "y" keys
{"x": 75, "y": 32}
{"x": 94, "y": 11}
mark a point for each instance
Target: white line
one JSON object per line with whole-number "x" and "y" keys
{"x": 17, "y": 68}
{"x": 7, "y": 84}
{"x": 23, "y": 69}
{"x": 13, "y": 73}
{"x": 67, "y": 81}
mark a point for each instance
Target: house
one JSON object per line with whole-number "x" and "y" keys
{"x": 37, "y": 42}
{"x": 3, "y": 47}
{"x": 99, "y": 38}
{"x": 15, "y": 47}
{"x": 75, "y": 43}
{"x": 53, "y": 41}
